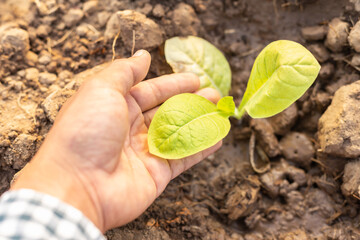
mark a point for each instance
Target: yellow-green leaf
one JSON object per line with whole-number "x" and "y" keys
{"x": 198, "y": 56}
{"x": 281, "y": 74}
{"x": 186, "y": 124}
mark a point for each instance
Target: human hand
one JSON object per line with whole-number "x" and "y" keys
{"x": 96, "y": 157}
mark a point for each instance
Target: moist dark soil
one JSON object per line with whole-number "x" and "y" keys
{"x": 306, "y": 192}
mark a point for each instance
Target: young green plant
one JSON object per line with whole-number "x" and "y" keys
{"x": 188, "y": 123}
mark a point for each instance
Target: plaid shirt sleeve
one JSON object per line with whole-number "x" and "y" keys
{"x": 27, "y": 214}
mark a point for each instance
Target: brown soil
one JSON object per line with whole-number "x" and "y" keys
{"x": 300, "y": 197}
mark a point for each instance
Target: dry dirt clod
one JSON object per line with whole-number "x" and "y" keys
{"x": 337, "y": 35}
{"x": 148, "y": 34}
{"x": 90, "y": 6}
{"x": 14, "y": 41}
{"x": 73, "y": 17}
{"x": 265, "y": 136}
{"x": 20, "y": 151}
{"x": 283, "y": 122}
{"x": 354, "y": 37}
{"x": 276, "y": 181}
{"x": 351, "y": 180}
{"x": 320, "y": 52}
{"x": 158, "y": 11}
{"x": 47, "y": 78}
{"x": 185, "y": 21}
{"x": 242, "y": 198}
{"x": 355, "y": 60}
{"x": 327, "y": 71}
{"x": 339, "y": 126}
{"x": 314, "y": 33}
{"x": 297, "y": 147}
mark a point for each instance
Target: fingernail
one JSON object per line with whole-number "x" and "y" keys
{"x": 139, "y": 53}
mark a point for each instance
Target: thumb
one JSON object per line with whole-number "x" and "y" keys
{"x": 123, "y": 74}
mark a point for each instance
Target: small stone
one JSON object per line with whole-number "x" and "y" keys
{"x": 15, "y": 41}
{"x": 73, "y": 17}
{"x": 18, "y": 86}
{"x": 146, "y": 10}
{"x": 282, "y": 122}
{"x": 326, "y": 71}
{"x": 32, "y": 74}
{"x": 82, "y": 30}
{"x": 31, "y": 58}
{"x": 185, "y": 20}
{"x": 21, "y": 151}
{"x": 265, "y": 136}
{"x": 103, "y": 17}
{"x": 90, "y": 6}
{"x": 297, "y": 147}
{"x": 356, "y": 60}
{"x": 354, "y": 37}
{"x": 351, "y": 179}
{"x": 314, "y": 33}
{"x": 148, "y": 34}
{"x": 158, "y": 11}
{"x": 65, "y": 76}
{"x": 339, "y": 126}
{"x": 320, "y": 52}
{"x": 323, "y": 99}
{"x": 337, "y": 35}
{"x": 43, "y": 31}
{"x": 45, "y": 58}
{"x": 47, "y": 78}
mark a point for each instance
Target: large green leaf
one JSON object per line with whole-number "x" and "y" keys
{"x": 186, "y": 124}
{"x": 281, "y": 74}
{"x": 196, "y": 55}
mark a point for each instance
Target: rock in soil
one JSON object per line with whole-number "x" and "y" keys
{"x": 297, "y": 147}
{"x": 314, "y": 33}
{"x": 73, "y": 17}
{"x": 284, "y": 121}
{"x": 355, "y": 60}
{"x": 320, "y": 52}
{"x": 148, "y": 34}
{"x": 354, "y": 37}
{"x": 14, "y": 41}
{"x": 282, "y": 178}
{"x": 351, "y": 180}
{"x": 327, "y": 71}
{"x": 185, "y": 21}
{"x": 20, "y": 151}
{"x": 242, "y": 199}
{"x": 339, "y": 126}
{"x": 265, "y": 136}
{"x": 337, "y": 35}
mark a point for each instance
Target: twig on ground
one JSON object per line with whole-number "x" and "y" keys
{"x": 245, "y": 54}
{"x": 62, "y": 39}
{"x": 133, "y": 43}
{"x": 114, "y": 44}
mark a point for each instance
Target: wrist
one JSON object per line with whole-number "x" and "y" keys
{"x": 62, "y": 182}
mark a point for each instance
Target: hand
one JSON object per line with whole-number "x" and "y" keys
{"x": 96, "y": 157}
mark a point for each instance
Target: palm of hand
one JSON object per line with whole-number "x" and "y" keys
{"x": 100, "y": 137}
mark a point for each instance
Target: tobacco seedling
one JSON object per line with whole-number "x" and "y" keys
{"x": 187, "y": 123}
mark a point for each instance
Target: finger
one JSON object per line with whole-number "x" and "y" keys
{"x": 209, "y": 93}
{"x": 150, "y": 93}
{"x": 123, "y": 74}
{"x": 181, "y": 165}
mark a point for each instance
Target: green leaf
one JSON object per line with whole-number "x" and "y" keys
{"x": 198, "y": 56}
{"x": 226, "y": 105}
{"x": 186, "y": 124}
{"x": 281, "y": 74}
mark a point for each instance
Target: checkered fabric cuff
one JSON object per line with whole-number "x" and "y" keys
{"x": 27, "y": 214}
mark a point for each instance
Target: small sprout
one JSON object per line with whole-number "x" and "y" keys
{"x": 187, "y": 123}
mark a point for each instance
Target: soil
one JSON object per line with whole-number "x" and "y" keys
{"x": 308, "y": 192}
